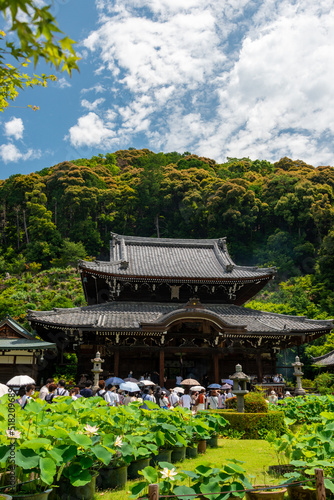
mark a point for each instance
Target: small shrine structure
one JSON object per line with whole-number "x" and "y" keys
{"x": 20, "y": 352}
{"x": 173, "y": 306}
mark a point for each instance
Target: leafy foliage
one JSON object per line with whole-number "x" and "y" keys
{"x": 35, "y": 28}
{"x": 42, "y": 291}
{"x": 306, "y": 409}
{"x": 272, "y": 214}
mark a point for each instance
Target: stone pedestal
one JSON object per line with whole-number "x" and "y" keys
{"x": 297, "y": 365}
{"x": 240, "y": 379}
{"x": 96, "y": 370}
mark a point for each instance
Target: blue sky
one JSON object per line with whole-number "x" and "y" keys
{"x": 218, "y": 78}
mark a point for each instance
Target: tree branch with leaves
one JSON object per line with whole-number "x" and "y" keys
{"x": 38, "y": 37}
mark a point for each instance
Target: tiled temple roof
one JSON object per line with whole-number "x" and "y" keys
{"x": 325, "y": 360}
{"x": 173, "y": 258}
{"x": 25, "y": 345}
{"x": 133, "y": 316}
{"x": 19, "y": 338}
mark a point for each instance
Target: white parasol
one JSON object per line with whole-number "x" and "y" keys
{"x": 129, "y": 387}
{"x": 197, "y": 388}
{"x": 3, "y": 390}
{"x": 146, "y": 382}
{"x": 20, "y": 380}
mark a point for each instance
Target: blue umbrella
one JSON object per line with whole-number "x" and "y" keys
{"x": 214, "y": 386}
{"x": 114, "y": 381}
{"x": 228, "y": 381}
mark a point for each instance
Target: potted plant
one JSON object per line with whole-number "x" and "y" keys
{"x": 265, "y": 491}
{"x": 114, "y": 475}
{"x": 137, "y": 451}
{"x": 216, "y": 423}
{"x": 304, "y": 472}
{"x": 229, "y": 481}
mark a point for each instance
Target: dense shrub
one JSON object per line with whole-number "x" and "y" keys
{"x": 231, "y": 403}
{"x": 257, "y": 425}
{"x": 255, "y": 403}
{"x": 324, "y": 382}
{"x": 254, "y": 425}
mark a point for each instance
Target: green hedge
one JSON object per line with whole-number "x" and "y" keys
{"x": 253, "y": 425}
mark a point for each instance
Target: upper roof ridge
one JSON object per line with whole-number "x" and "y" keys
{"x": 147, "y": 240}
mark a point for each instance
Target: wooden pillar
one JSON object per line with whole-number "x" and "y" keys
{"x": 273, "y": 361}
{"x": 153, "y": 492}
{"x": 320, "y": 484}
{"x": 34, "y": 367}
{"x": 116, "y": 363}
{"x": 259, "y": 368}
{"x": 216, "y": 367}
{"x": 162, "y": 368}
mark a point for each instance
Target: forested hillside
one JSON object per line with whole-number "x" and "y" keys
{"x": 278, "y": 214}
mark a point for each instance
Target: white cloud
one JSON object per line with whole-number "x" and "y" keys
{"x": 91, "y": 106}
{"x": 14, "y": 128}
{"x": 63, "y": 83}
{"x": 232, "y": 78}
{"x": 10, "y": 153}
{"x": 98, "y": 88}
{"x": 90, "y": 131}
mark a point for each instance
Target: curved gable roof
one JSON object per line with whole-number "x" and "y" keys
{"x": 173, "y": 258}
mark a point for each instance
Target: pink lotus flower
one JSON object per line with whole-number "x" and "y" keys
{"x": 11, "y": 434}
{"x": 91, "y": 430}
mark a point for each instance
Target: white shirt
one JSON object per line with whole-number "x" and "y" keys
{"x": 111, "y": 398}
{"x": 230, "y": 395}
{"x": 185, "y": 401}
{"x": 173, "y": 399}
{"x": 60, "y": 391}
{"x": 25, "y": 400}
{"x": 213, "y": 402}
{"x": 43, "y": 392}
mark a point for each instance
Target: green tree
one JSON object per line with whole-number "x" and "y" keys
{"x": 36, "y": 31}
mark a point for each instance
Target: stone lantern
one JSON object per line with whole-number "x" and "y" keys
{"x": 96, "y": 370}
{"x": 240, "y": 379}
{"x": 297, "y": 365}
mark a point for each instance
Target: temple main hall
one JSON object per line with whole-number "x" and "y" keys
{"x": 173, "y": 306}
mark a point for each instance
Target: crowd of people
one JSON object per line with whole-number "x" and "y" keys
{"x": 184, "y": 397}
{"x": 194, "y": 400}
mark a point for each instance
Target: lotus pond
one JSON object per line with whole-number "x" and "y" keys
{"x": 72, "y": 441}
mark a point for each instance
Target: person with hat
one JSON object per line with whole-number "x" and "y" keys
{"x": 173, "y": 398}
{"x": 287, "y": 395}
{"x": 273, "y": 398}
{"x": 163, "y": 401}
